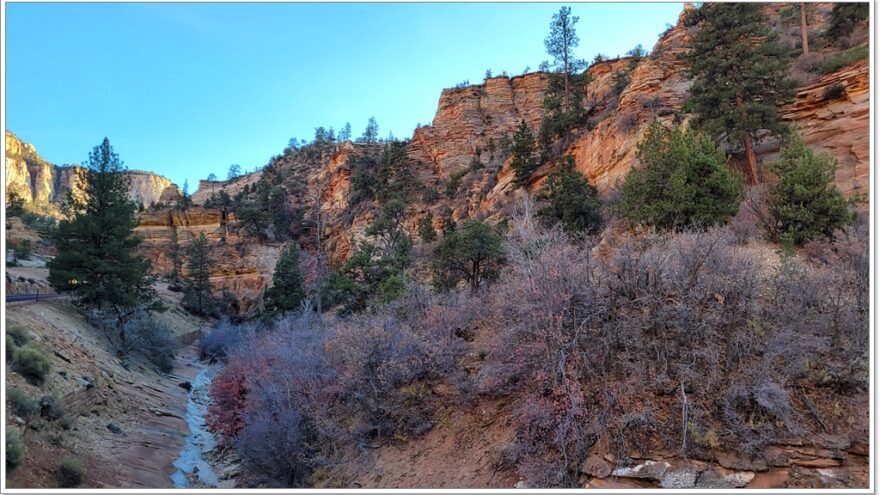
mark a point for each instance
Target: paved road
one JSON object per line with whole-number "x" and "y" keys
{"x": 29, "y": 297}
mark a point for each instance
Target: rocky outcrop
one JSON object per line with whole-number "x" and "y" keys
{"x": 43, "y": 185}
{"x": 467, "y": 119}
{"x": 241, "y": 267}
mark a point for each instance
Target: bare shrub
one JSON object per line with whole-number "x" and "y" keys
{"x": 221, "y": 338}
{"x": 810, "y": 62}
{"x": 754, "y": 208}
{"x": 151, "y": 338}
{"x": 628, "y": 121}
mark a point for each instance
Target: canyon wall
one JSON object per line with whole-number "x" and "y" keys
{"x": 43, "y": 185}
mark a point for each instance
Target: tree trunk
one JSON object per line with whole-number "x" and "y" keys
{"x": 804, "y": 41}
{"x": 753, "y": 161}
{"x": 750, "y": 151}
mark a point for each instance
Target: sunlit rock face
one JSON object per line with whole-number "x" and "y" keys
{"x": 43, "y": 185}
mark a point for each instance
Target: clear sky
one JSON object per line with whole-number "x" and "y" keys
{"x": 188, "y": 89}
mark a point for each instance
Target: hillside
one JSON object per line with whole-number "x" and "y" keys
{"x": 478, "y": 120}
{"x": 498, "y": 301}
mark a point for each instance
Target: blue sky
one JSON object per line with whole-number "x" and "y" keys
{"x": 188, "y": 89}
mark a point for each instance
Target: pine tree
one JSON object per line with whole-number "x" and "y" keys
{"x": 560, "y": 44}
{"x": 96, "y": 259}
{"x": 197, "y": 290}
{"x": 345, "y": 133}
{"x": 185, "y": 200}
{"x": 563, "y": 98}
{"x": 804, "y": 202}
{"x": 684, "y": 182}
{"x": 740, "y": 73}
{"x": 523, "y": 149}
{"x": 574, "y": 202}
{"x": 371, "y": 133}
{"x": 286, "y": 293}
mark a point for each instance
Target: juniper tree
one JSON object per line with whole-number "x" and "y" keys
{"x": 740, "y": 73}
{"x": 14, "y": 204}
{"x": 286, "y": 293}
{"x": 279, "y": 213}
{"x": 683, "y": 181}
{"x": 844, "y": 17}
{"x": 96, "y": 260}
{"x": 473, "y": 253}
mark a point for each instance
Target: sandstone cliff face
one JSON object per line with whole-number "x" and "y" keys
{"x": 467, "y": 118}
{"x": 43, "y": 185}
{"x": 242, "y": 268}
{"x": 483, "y": 116}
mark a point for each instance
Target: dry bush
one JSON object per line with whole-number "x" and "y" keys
{"x": 810, "y": 62}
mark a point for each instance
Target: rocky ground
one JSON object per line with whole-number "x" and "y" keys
{"x": 125, "y": 424}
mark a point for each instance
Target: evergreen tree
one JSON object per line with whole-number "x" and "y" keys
{"x": 345, "y": 133}
{"x": 804, "y": 202}
{"x": 740, "y": 73}
{"x": 473, "y": 254}
{"x": 426, "y": 228}
{"x": 212, "y": 177}
{"x": 844, "y": 17}
{"x": 14, "y": 204}
{"x": 371, "y": 133}
{"x": 96, "y": 259}
{"x": 523, "y": 149}
{"x": 563, "y": 98}
{"x": 225, "y": 204}
{"x": 574, "y": 202}
{"x": 253, "y": 221}
{"x": 197, "y": 290}
{"x": 234, "y": 171}
{"x": 560, "y": 44}
{"x": 185, "y": 200}
{"x": 286, "y": 293}
{"x": 279, "y": 213}
{"x": 684, "y": 182}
